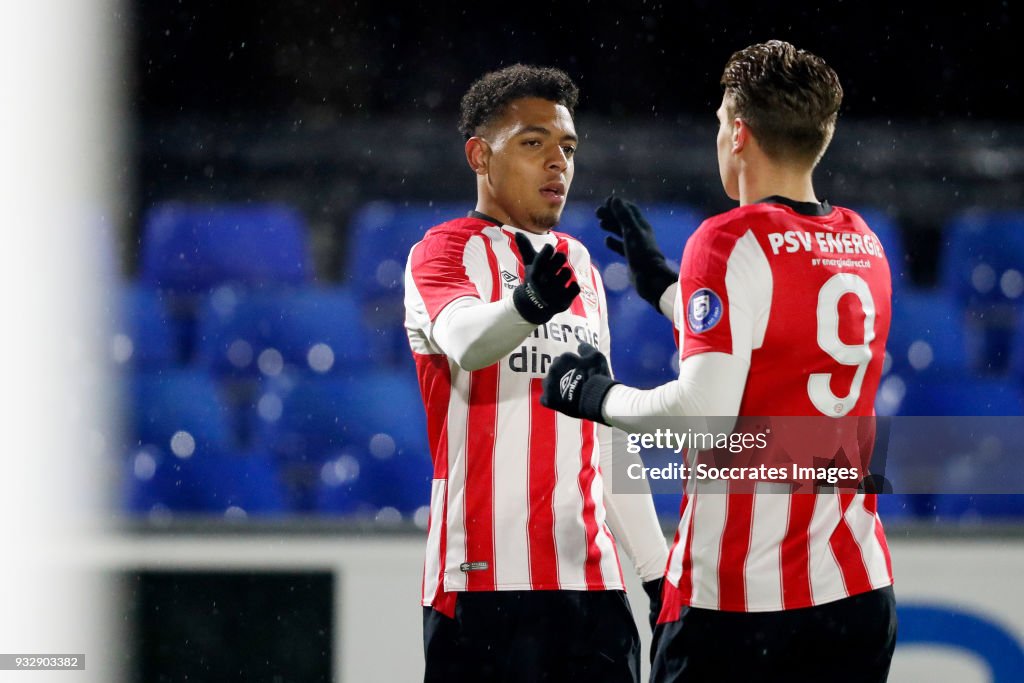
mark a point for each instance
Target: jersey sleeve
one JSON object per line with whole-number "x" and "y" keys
{"x": 725, "y": 289}
{"x": 447, "y": 266}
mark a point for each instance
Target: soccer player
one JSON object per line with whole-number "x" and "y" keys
{"x": 782, "y": 308}
{"x": 522, "y": 580}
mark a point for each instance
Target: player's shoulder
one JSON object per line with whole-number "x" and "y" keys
{"x": 456, "y": 230}
{"x": 450, "y": 237}
{"x": 722, "y": 230}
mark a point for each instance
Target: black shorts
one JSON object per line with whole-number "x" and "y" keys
{"x": 846, "y": 640}
{"x": 529, "y": 636}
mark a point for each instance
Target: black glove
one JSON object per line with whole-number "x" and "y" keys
{"x": 653, "y": 590}
{"x": 576, "y": 385}
{"x": 549, "y": 286}
{"x": 648, "y": 268}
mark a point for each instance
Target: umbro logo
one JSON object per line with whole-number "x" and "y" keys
{"x": 567, "y": 385}
{"x": 510, "y": 280}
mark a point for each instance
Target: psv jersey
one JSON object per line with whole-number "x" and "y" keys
{"x": 805, "y": 290}
{"x": 516, "y": 501}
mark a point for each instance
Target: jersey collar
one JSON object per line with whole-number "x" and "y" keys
{"x": 805, "y": 208}
{"x": 483, "y": 216}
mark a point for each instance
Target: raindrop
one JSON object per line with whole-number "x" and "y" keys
{"x": 983, "y": 278}
{"x": 390, "y": 274}
{"x": 421, "y": 517}
{"x": 388, "y": 515}
{"x": 340, "y": 471}
{"x": 1012, "y": 284}
{"x": 240, "y": 353}
{"x": 224, "y": 299}
{"x": 144, "y": 466}
{"x": 382, "y": 446}
{"x": 182, "y": 444}
{"x": 890, "y": 395}
{"x": 270, "y": 362}
{"x": 616, "y": 277}
{"x": 920, "y": 354}
{"x": 122, "y": 348}
{"x": 320, "y": 358}
{"x": 270, "y": 407}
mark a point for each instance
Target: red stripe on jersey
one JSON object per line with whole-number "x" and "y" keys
{"x": 672, "y": 597}
{"x": 435, "y": 377}
{"x": 480, "y": 442}
{"x": 794, "y": 556}
{"x": 542, "y": 474}
{"x": 592, "y": 567}
{"x": 577, "y": 304}
{"x": 732, "y": 557}
{"x": 847, "y": 552}
{"x": 871, "y": 504}
{"x": 686, "y": 580}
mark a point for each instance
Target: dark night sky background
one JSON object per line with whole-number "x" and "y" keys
{"x": 635, "y": 59}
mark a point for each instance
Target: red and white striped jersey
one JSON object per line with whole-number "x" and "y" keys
{"x": 806, "y": 293}
{"x": 517, "y": 498}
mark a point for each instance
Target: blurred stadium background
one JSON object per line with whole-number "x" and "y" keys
{"x": 275, "y": 164}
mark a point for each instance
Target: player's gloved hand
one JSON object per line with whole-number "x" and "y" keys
{"x": 653, "y": 590}
{"x": 549, "y": 286}
{"x": 633, "y": 237}
{"x": 577, "y": 384}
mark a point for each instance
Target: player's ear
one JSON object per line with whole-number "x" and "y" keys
{"x": 740, "y": 135}
{"x": 478, "y": 154}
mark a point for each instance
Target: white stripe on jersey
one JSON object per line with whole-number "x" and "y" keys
{"x": 570, "y": 535}
{"x": 432, "y": 566}
{"x": 455, "y": 550}
{"x": 862, "y": 524}
{"x": 764, "y": 559}
{"x": 709, "y": 506}
{"x": 826, "y": 575}
{"x": 511, "y": 477}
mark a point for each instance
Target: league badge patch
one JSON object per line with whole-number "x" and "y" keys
{"x": 703, "y": 311}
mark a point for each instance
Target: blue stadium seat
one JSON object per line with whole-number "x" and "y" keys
{"x": 381, "y": 235}
{"x": 248, "y": 333}
{"x": 926, "y": 334}
{"x": 888, "y": 233}
{"x": 1017, "y": 354}
{"x": 372, "y": 424}
{"x": 954, "y": 394}
{"x": 143, "y": 336}
{"x": 673, "y": 224}
{"x": 189, "y": 248}
{"x": 643, "y": 345}
{"x": 183, "y": 457}
{"x": 983, "y": 268}
{"x": 179, "y": 410}
{"x": 231, "y": 484}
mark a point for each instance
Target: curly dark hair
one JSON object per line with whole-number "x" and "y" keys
{"x": 790, "y": 99}
{"x": 488, "y": 97}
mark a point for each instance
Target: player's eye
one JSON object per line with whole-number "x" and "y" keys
{"x": 532, "y": 143}
{"x": 569, "y": 150}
